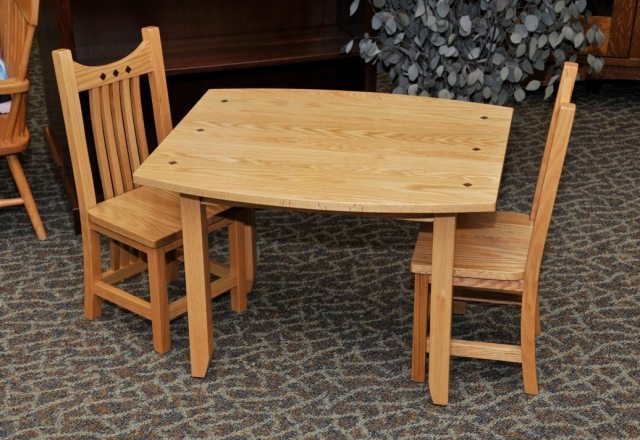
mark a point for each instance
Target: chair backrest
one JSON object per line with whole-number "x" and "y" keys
{"x": 18, "y": 21}
{"x": 565, "y": 90}
{"x": 550, "y": 171}
{"x": 116, "y": 115}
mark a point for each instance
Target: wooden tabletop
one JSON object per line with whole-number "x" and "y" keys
{"x": 335, "y": 151}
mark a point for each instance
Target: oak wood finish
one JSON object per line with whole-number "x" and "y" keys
{"x": 18, "y": 21}
{"x": 494, "y": 251}
{"x": 332, "y": 151}
{"x": 143, "y": 223}
{"x": 621, "y": 48}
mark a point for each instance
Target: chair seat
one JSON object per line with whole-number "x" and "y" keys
{"x": 153, "y": 216}
{"x": 491, "y": 245}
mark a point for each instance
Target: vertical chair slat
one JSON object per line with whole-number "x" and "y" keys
{"x": 109, "y": 137}
{"x": 138, "y": 120}
{"x": 120, "y": 137}
{"x": 95, "y": 106}
{"x": 129, "y": 126}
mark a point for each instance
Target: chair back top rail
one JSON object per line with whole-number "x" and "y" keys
{"x": 116, "y": 114}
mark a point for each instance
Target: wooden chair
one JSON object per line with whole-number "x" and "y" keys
{"x": 498, "y": 256}
{"x": 18, "y": 20}
{"x": 143, "y": 223}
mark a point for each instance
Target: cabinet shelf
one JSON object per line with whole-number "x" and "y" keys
{"x": 235, "y": 51}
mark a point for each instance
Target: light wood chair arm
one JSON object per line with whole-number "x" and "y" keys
{"x": 10, "y": 86}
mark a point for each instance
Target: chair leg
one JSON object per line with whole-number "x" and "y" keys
{"x": 172, "y": 268}
{"x": 538, "y": 330}
{"x": 92, "y": 271}
{"x": 25, "y": 192}
{"x": 114, "y": 255}
{"x": 420, "y": 325}
{"x": 237, "y": 264}
{"x": 249, "y": 218}
{"x": 159, "y": 295}
{"x": 528, "y": 344}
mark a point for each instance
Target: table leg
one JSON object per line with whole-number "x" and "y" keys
{"x": 444, "y": 227}
{"x": 196, "y": 251}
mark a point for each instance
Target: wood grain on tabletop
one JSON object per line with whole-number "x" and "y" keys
{"x": 335, "y": 151}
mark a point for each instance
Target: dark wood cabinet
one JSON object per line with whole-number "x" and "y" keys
{"x": 208, "y": 44}
{"x": 620, "y": 22}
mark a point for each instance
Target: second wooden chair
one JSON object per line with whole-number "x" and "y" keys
{"x": 500, "y": 252}
{"x": 143, "y": 223}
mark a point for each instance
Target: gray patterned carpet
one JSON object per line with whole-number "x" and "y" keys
{"x": 324, "y": 349}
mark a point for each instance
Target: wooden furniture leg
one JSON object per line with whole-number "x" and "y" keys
{"x": 420, "y": 322}
{"x": 444, "y": 227}
{"x": 26, "y": 195}
{"x": 238, "y": 264}
{"x": 159, "y": 300}
{"x": 196, "y": 262}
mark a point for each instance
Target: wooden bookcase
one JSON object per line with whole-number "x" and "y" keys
{"x": 620, "y": 22}
{"x": 207, "y": 44}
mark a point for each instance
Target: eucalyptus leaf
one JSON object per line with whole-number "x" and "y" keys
{"x": 443, "y": 8}
{"x": 413, "y": 72}
{"x": 379, "y": 3}
{"x": 504, "y": 73}
{"x": 444, "y": 94}
{"x": 519, "y": 94}
{"x": 515, "y": 38}
{"x": 548, "y": 19}
{"x": 465, "y": 25}
{"x": 548, "y": 91}
{"x": 451, "y": 79}
{"x": 559, "y": 6}
{"x": 531, "y": 23}
{"x": 533, "y": 85}
{"x": 420, "y": 9}
{"x": 542, "y": 40}
{"x": 569, "y": 33}
{"x": 578, "y": 40}
{"x": 533, "y": 47}
{"x": 354, "y": 7}
{"x": 390, "y": 26}
{"x": 517, "y": 74}
{"x": 376, "y": 21}
{"x": 347, "y": 47}
{"x": 432, "y": 23}
{"x": 474, "y": 54}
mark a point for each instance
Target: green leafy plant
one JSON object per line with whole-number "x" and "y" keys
{"x": 480, "y": 50}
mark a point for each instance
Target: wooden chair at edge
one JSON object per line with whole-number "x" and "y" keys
{"x": 18, "y": 20}
{"x": 498, "y": 256}
{"x": 143, "y": 223}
